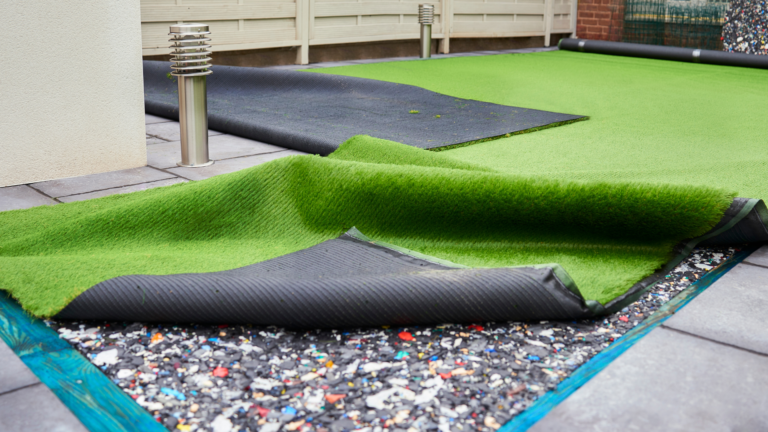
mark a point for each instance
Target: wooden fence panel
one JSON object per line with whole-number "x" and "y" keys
{"x": 254, "y": 24}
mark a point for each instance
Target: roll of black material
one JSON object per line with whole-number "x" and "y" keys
{"x": 665, "y": 53}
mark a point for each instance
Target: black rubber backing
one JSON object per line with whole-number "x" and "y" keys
{"x": 749, "y": 229}
{"x": 315, "y": 112}
{"x": 345, "y": 282}
{"x": 743, "y": 222}
{"x": 665, "y": 53}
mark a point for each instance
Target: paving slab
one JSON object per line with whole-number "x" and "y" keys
{"x": 122, "y": 190}
{"x": 230, "y": 165}
{"x": 22, "y": 197}
{"x": 219, "y": 147}
{"x": 668, "y": 382}
{"x": 731, "y": 311}
{"x": 759, "y": 257}
{"x": 170, "y": 131}
{"x": 14, "y": 374}
{"x": 36, "y": 409}
{"x": 95, "y": 182}
{"x": 152, "y": 119}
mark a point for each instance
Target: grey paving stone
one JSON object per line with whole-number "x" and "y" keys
{"x": 14, "y": 374}
{"x": 170, "y": 131}
{"x": 36, "y": 409}
{"x": 731, "y": 311}
{"x": 95, "y": 182}
{"x": 669, "y": 382}
{"x": 21, "y": 197}
{"x": 759, "y": 257}
{"x": 151, "y": 119}
{"x": 230, "y": 165}
{"x": 219, "y": 147}
{"x": 122, "y": 190}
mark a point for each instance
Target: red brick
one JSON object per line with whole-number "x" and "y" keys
{"x": 604, "y": 22}
{"x": 589, "y": 22}
{"x": 587, "y": 15}
{"x": 603, "y": 15}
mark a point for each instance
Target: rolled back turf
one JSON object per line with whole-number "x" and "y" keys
{"x": 606, "y": 235}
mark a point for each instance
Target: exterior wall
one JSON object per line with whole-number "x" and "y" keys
{"x": 238, "y": 25}
{"x": 599, "y": 19}
{"x": 71, "y": 91}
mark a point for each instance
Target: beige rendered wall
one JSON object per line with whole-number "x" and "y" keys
{"x": 71, "y": 90}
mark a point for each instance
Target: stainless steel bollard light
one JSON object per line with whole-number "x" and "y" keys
{"x": 190, "y": 67}
{"x": 426, "y": 18}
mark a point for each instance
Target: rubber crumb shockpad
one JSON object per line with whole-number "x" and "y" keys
{"x": 345, "y": 282}
{"x": 315, "y": 113}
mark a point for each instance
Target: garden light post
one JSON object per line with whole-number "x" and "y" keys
{"x": 426, "y": 18}
{"x": 190, "y": 67}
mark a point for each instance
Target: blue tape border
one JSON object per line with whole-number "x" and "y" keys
{"x": 93, "y": 398}
{"x": 550, "y": 400}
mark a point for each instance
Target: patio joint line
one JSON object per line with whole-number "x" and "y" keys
{"x": 43, "y": 193}
{"x": 683, "y": 332}
{"x": 159, "y": 137}
{"x": 257, "y": 154}
{"x": 755, "y": 265}
{"x": 165, "y": 170}
{"x": 216, "y": 160}
{"x": 116, "y": 187}
{"x": 22, "y": 387}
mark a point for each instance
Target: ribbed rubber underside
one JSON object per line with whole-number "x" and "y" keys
{"x": 343, "y": 282}
{"x": 315, "y": 113}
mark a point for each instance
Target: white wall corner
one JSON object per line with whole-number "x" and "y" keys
{"x": 71, "y": 92}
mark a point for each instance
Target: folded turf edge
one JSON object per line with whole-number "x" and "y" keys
{"x": 420, "y": 200}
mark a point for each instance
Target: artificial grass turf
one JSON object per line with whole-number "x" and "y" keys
{"x": 650, "y": 120}
{"x": 606, "y": 235}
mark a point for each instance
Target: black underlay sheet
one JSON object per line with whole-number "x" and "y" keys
{"x": 354, "y": 282}
{"x": 315, "y": 113}
{"x": 345, "y": 282}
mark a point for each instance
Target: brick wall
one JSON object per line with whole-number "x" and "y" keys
{"x": 599, "y": 19}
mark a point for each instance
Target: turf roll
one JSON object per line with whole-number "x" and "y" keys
{"x": 315, "y": 113}
{"x": 664, "y": 53}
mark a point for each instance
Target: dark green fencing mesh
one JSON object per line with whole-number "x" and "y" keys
{"x": 682, "y": 24}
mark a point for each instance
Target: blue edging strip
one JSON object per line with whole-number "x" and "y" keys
{"x": 98, "y": 403}
{"x": 550, "y": 400}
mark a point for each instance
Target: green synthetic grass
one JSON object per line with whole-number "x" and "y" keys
{"x": 606, "y": 235}
{"x": 650, "y": 120}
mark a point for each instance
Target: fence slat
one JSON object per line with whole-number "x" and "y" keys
{"x": 214, "y": 12}
{"x": 305, "y": 23}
